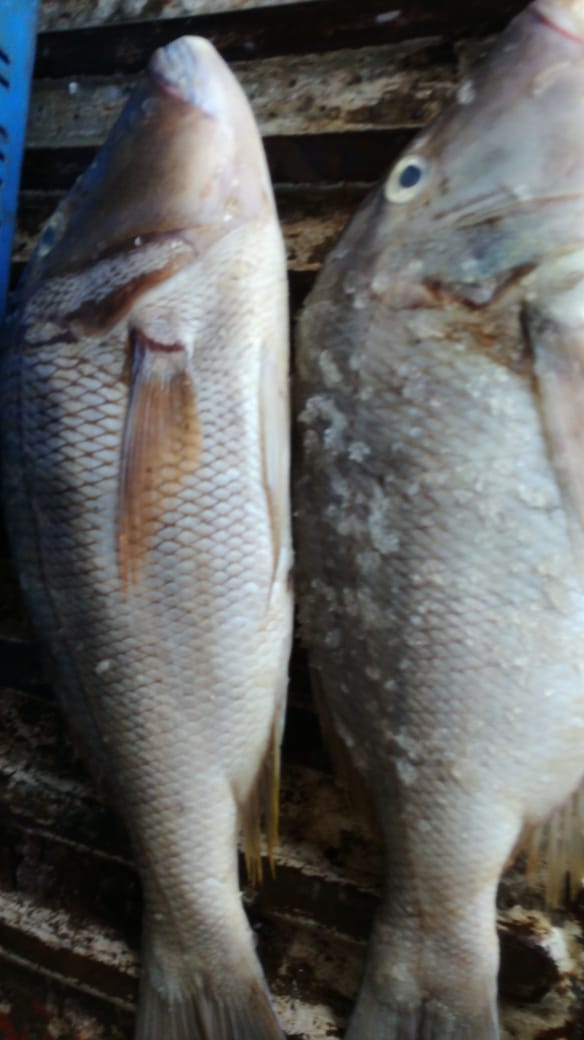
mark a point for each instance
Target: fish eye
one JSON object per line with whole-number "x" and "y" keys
{"x": 407, "y": 179}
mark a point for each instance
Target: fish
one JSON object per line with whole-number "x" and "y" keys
{"x": 439, "y": 505}
{"x": 145, "y": 439}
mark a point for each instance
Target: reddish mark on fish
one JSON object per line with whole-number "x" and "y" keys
{"x": 558, "y": 28}
{"x": 164, "y": 348}
{"x": 142, "y": 344}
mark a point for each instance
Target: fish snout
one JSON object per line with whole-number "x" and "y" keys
{"x": 566, "y": 16}
{"x": 187, "y": 69}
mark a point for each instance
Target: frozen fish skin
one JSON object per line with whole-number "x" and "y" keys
{"x": 440, "y": 511}
{"x": 145, "y": 437}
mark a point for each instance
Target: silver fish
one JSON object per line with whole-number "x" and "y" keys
{"x": 440, "y": 500}
{"x": 145, "y": 431}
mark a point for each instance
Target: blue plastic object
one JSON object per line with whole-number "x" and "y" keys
{"x": 18, "y": 20}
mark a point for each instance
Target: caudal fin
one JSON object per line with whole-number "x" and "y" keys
{"x": 375, "y": 1020}
{"x": 202, "y": 1013}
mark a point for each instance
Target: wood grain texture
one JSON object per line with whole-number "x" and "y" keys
{"x": 110, "y": 45}
{"x": 401, "y": 85}
{"x": 71, "y": 14}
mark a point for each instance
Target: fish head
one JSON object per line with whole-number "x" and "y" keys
{"x": 184, "y": 156}
{"x": 496, "y": 183}
{"x": 481, "y": 223}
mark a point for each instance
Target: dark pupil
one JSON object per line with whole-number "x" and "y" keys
{"x": 411, "y": 176}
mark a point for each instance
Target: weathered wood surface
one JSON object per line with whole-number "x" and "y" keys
{"x": 396, "y": 85}
{"x": 70, "y": 14}
{"x": 338, "y": 87}
{"x": 297, "y": 28}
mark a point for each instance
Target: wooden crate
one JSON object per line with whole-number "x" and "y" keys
{"x": 338, "y": 86}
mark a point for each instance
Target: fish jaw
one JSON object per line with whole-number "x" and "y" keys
{"x": 187, "y": 137}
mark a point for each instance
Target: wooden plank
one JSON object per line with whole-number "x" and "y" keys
{"x": 102, "y": 965}
{"x": 402, "y": 85}
{"x": 71, "y": 14}
{"x": 304, "y": 27}
{"x": 308, "y": 159}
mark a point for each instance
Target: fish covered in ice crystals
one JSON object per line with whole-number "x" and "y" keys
{"x": 440, "y": 533}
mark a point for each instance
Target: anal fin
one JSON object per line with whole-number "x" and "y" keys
{"x": 263, "y": 804}
{"x": 161, "y": 446}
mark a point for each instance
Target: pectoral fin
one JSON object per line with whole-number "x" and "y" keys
{"x": 558, "y": 348}
{"x": 161, "y": 446}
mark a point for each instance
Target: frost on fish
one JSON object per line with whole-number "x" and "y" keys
{"x": 145, "y": 434}
{"x": 440, "y": 519}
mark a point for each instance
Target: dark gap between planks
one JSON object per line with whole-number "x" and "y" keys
{"x": 259, "y": 33}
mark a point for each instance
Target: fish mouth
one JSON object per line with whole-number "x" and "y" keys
{"x": 184, "y": 70}
{"x": 565, "y": 16}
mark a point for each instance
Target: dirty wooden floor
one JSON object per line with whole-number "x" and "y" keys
{"x": 338, "y": 88}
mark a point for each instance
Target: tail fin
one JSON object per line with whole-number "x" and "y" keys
{"x": 373, "y": 1020}
{"x": 202, "y": 1013}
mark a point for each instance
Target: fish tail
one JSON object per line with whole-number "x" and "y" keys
{"x": 376, "y": 1020}
{"x": 201, "y": 1011}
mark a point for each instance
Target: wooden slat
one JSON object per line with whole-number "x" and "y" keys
{"x": 101, "y": 964}
{"x": 71, "y": 14}
{"x": 404, "y": 85}
{"x": 311, "y": 159}
{"x": 305, "y": 27}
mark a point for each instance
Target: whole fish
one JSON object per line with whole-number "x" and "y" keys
{"x": 440, "y": 501}
{"x": 145, "y": 427}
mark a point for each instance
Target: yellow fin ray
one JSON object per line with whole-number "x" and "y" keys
{"x": 263, "y": 804}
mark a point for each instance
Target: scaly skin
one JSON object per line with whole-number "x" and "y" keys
{"x": 173, "y": 670}
{"x": 438, "y": 517}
